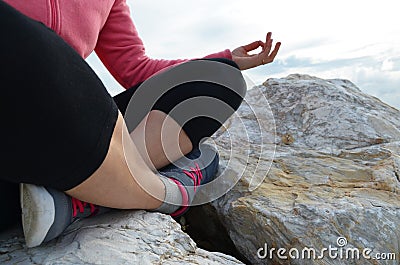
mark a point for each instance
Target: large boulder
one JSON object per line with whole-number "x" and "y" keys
{"x": 308, "y": 165}
{"x": 327, "y": 177}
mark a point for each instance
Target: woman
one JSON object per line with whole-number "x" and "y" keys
{"x": 67, "y": 132}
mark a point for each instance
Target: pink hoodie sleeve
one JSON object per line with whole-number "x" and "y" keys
{"x": 121, "y": 50}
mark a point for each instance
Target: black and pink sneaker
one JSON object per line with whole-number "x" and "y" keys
{"x": 46, "y": 213}
{"x": 197, "y": 168}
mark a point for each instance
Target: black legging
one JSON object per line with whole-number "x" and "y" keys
{"x": 59, "y": 117}
{"x": 199, "y": 127}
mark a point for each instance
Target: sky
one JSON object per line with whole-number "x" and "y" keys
{"x": 347, "y": 39}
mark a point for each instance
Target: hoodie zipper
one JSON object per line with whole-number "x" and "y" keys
{"x": 54, "y": 16}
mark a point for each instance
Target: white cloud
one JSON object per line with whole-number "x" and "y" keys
{"x": 355, "y": 40}
{"x": 387, "y": 65}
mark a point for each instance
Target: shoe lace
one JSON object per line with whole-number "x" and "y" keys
{"x": 80, "y": 205}
{"x": 195, "y": 174}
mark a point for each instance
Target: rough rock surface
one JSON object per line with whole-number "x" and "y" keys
{"x": 317, "y": 161}
{"x": 122, "y": 237}
{"x": 333, "y": 169}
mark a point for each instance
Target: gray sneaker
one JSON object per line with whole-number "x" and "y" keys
{"x": 46, "y": 213}
{"x": 197, "y": 168}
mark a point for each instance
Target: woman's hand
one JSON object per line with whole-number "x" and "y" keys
{"x": 245, "y": 61}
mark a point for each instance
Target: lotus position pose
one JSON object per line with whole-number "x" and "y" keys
{"x": 67, "y": 150}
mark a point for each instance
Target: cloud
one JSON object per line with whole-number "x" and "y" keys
{"x": 331, "y": 39}
{"x": 391, "y": 64}
{"x": 365, "y": 72}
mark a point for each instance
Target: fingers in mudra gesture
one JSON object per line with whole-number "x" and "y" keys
{"x": 242, "y": 57}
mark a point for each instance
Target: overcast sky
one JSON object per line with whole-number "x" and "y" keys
{"x": 349, "y": 39}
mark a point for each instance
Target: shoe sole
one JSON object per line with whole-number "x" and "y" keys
{"x": 38, "y": 213}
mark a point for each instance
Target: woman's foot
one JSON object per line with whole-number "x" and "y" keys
{"x": 46, "y": 213}
{"x": 197, "y": 168}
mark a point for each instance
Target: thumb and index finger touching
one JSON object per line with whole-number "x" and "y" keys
{"x": 266, "y": 46}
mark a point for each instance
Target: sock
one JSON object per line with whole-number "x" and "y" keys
{"x": 174, "y": 197}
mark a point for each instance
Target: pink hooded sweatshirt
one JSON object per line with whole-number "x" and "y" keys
{"x": 104, "y": 26}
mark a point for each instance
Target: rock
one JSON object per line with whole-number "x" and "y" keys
{"x": 327, "y": 176}
{"x": 121, "y": 237}
{"x": 306, "y": 164}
